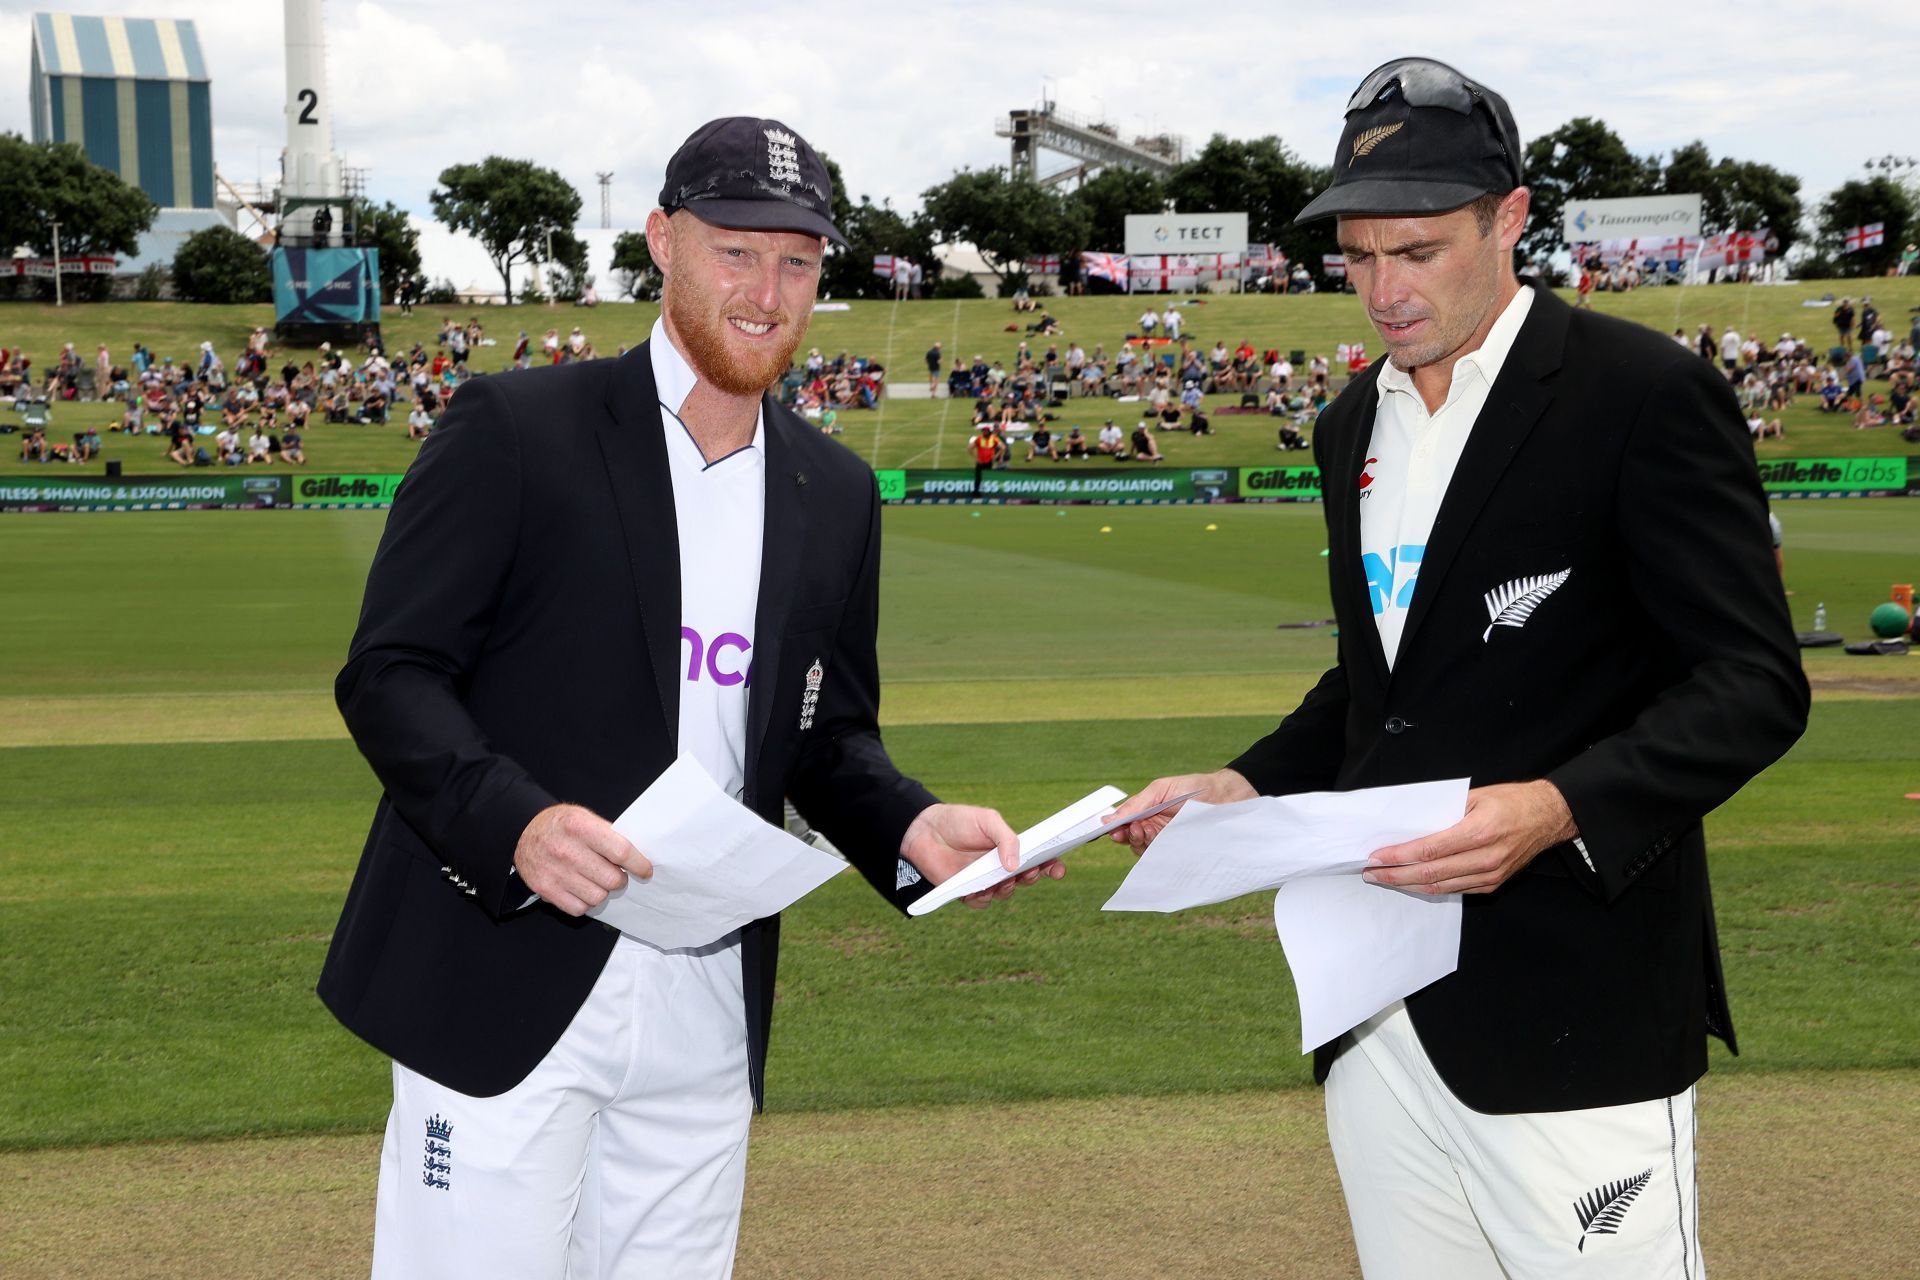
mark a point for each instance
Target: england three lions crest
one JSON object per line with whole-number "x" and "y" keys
{"x": 810, "y": 700}
{"x": 437, "y": 1168}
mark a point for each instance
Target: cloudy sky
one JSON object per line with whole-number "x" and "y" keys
{"x": 901, "y": 102}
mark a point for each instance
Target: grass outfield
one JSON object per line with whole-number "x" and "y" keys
{"x": 176, "y": 887}
{"x": 933, "y": 433}
{"x": 1132, "y": 1188}
{"x": 1117, "y": 1095}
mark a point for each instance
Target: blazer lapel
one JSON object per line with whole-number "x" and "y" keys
{"x": 636, "y": 456}
{"x": 1354, "y": 428}
{"x": 1514, "y": 404}
{"x": 783, "y": 547}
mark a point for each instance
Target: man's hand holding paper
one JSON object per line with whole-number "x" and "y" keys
{"x": 1506, "y": 827}
{"x": 947, "y": 839}
{"x": 1353, "y": 948}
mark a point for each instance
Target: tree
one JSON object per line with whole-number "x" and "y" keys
{"x": 20, "y": 179}
{"x": 1108, "y": 197}
{"x": 221, "y": 265}
{"x": 1735, "y": 195}
{"x": 509, "y": 206}
{"x": 1859, "y": 204}
{"x": 633, "y": 268}
{"x": 1582, "y": 159}
{"x": 871, "y": 230}
{"x": 1007, "y": 219}
{"x": 1760, "y": 196}
{"x": 567, "y": 269}
{"x": 97, "y": 212}
{"x": 1267, "y": 180}
{"x": 390, "y": 229}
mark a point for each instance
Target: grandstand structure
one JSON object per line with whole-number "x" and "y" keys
{"x": 135, "y": 95}
{"x": 134, "y": 92}
{"x": 1091, "y": 145}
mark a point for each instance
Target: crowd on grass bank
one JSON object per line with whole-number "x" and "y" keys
{"x": 1770, "y": 377}
{"x": 257, "y": 409}
{"x": 1160, "y": 371}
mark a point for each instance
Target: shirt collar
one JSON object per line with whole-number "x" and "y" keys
{"x": 674, "y": 380}
{"x": 1484, "y": 361}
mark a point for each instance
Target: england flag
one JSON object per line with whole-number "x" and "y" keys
{"x": 1867, "y": 237}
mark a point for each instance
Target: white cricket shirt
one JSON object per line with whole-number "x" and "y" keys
{"x": 1410, "y": 462}
{"x": 720, "y": 513}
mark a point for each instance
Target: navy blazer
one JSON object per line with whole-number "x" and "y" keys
{"x": 1656, "y": 679}
{"x": 519, "y": 646}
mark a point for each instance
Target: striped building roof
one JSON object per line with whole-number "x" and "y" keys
{"x": 69, "y": 44}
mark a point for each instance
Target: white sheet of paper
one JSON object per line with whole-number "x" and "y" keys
{"x": 1354, "y": 948}
{"x": 716, "y": 864}
{"x": 1046, "y": 839}
{"x": 1210, "y": 853}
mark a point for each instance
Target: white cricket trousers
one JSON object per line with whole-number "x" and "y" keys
{"x": 1438, "y": 1191}
{"x": 623, "y": 1155}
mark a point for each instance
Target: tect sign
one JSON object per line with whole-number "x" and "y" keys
{"x": 1163, "y": 233}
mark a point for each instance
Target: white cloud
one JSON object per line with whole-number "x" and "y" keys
{"x": 901, "y": 98}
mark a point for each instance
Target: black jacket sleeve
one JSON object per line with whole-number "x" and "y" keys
{"x": 431, "y": 598}
{"x": 1304, "y": 753}
{"x": 1693, "y": 532}
{"x": 844, "y": 783}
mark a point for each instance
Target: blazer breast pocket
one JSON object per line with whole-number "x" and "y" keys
{"x": 816, "y": 617}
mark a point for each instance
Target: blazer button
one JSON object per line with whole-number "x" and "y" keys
{"x": 1396, "y": 725}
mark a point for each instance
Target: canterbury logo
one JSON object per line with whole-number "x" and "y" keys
{"x": 1513, "y": 604}
{"x": 1366, "y": 142}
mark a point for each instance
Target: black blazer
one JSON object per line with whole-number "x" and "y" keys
{"x": 1649, "y": 687}
{"x": 519, "y": 646}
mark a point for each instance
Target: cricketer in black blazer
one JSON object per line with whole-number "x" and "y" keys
{"x": 1648, "y": 687}
{"x": 519, "y": 647}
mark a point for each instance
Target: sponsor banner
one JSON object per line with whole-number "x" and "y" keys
{"x": 1280, "y": 484}
{"x": 1635, "y": 218}
{"x": 893, "y": 485}
{"x": 190, "y": 492}
{"x": 42, "y": 268}
{"x": 1839, "y": 477}
{"x": 344, "y": 491}
{"x": 1149, "y": 233}
{"x": 1072, "y": 483}
{"x": 326, "y": 286}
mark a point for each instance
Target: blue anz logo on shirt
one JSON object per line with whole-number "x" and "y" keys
{"x": 1390, "y": 579}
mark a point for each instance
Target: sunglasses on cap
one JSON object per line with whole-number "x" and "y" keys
{"x": 1422, "y": 82}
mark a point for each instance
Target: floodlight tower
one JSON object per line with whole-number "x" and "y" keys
{"x": 311, "y": 177}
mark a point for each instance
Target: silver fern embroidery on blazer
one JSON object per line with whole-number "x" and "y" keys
{"x": 1513, "y": 604}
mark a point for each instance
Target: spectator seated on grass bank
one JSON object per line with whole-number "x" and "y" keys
{"x": 183, "y": 450}
{"x": 1145, "y": 447}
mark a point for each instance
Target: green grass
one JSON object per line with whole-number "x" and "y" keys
{"x": 166, "y": 904}
{"x": 931, "y": 433}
